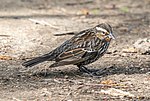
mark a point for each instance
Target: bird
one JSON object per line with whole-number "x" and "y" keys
{"x": 81, "y": 49}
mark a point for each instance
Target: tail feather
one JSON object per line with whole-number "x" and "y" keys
{"x": 36, "y": 60}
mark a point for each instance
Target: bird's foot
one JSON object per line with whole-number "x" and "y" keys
{"x": 90, "y": 72}
{"x": 95, "y": 72}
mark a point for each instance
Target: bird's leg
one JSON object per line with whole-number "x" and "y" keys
{"x": 84, "y": 69}
{"x": 88, "y": 71}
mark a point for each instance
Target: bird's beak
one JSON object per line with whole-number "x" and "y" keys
{"x": 111, "y": 36}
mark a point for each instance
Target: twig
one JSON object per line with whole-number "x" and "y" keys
{"x": 57, "y": 81}
{"x": 69, "y": 33}
{"x": 15, "y": 99}
{"x": 104, "y": 85}
{"x": 79, "y": 3}
{"x": 5, "y": 35}
{"x": 42, "y": 22}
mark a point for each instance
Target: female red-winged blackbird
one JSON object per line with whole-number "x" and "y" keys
{"x": 83, "y": 48}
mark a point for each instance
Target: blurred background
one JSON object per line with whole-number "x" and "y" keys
{"x": 27, "y": 29}
{"x": 28, "y": 21}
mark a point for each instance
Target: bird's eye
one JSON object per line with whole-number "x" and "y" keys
{"x": 103, "y": 33}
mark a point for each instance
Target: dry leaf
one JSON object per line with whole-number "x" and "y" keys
{"x": 124, "y": 9}
{"x": 85, "y": 12}
{"x": 107, "y": 82}
{"x": 5, "y": 58}
{"x": 130, "y": 50}
{"x": 117, "y": 92}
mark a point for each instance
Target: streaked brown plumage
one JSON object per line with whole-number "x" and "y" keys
{"x": 83, "y": 48}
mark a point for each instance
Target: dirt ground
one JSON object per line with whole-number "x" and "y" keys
{"x": 27, "y": 29}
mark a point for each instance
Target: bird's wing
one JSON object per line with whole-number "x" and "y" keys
{"x": 77, "y": 53}
{"x": 70, "y": 57}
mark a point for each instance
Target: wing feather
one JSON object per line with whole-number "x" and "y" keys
{"x": 73, "y": 59}
{"x": 76, "y": 53}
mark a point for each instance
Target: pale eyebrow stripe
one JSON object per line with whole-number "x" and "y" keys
{"x": 101, "y": 29}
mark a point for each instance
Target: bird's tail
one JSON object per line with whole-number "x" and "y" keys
{"x": 37, "y": 60}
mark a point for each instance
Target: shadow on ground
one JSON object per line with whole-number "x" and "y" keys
{"x": 103, "y": 72}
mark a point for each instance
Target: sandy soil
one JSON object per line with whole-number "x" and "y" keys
{"x": 27, "y": 29}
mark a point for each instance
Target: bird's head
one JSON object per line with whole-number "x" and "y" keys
{"x": 104, "y": 32}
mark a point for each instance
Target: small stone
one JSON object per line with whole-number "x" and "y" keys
{"x": 129, "y": 50}
{"x": 143, "y": 45}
